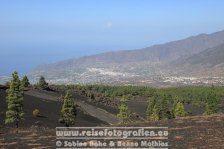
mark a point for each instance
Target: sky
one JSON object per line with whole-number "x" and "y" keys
{"x": 40, "y": 32}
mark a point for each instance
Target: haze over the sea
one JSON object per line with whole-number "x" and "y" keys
{"x": 38, "y": 32}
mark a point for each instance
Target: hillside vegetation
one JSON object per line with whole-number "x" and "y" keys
{"x": 199, "y": 96}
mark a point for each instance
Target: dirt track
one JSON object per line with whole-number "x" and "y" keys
{"x": 98, "y": 113}
{"x": 92, "y": 110}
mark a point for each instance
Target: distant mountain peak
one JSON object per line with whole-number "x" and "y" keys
{"x": 143, "y": 64}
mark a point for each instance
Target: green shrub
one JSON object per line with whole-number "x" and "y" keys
{"x": 36, "y": 113}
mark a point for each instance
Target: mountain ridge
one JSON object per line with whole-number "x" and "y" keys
{"x": 143, "y": 63}
{"x": 208, "y": 61}
{"x": 143, "y": 54}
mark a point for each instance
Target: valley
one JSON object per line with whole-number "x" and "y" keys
{"x": 197, "y": 60}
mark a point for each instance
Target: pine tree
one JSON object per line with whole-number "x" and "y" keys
{"x": 179, "y": 109}
{"x": 211, "y": 102}
{"x": 68, "y": 111}
{"x": 154, "y": 116}
{"x": 158, "y": 108}
{"x": 151, "y": 104}
{"x": 25, "y": 81}
{"x": 169, "y": 99}
{"x": 123, "y": 114}
{"x": 14, "y": 100}
{"x": 42, "y": 83}
{"x": 175, "y": 101}
{"x": 163, "y": 109}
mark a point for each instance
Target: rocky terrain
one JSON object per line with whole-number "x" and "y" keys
{"x": 39, "y": 132}
{"x": 196, "y": 132}
{"x": 185, "y": 133}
